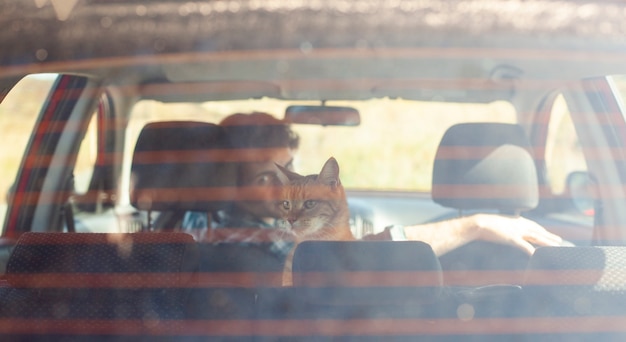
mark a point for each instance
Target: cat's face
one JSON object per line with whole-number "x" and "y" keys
{"x": 314, "y": 206}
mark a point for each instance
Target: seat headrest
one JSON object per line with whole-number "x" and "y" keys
{"x": 485, "y": 166}
{"x": 180, "y": 166}
{"x": 133, "y": 260}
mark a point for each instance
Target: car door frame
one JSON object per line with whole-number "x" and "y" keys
{"x": 601, "y": 128}
{"x": 41, "y": 182}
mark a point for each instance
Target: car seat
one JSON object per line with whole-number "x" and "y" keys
{"x": 181, "y": 166}
{"x": 356, "y": 281}
{"x": 94, "y": 285}
{"x": 485, "y": 167}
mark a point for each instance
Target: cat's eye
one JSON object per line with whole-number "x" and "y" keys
{"x": 310, "y": 204}
{"x": 286, "y": 205}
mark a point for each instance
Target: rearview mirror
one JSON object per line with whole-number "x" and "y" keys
{"x": 323, "y": 115}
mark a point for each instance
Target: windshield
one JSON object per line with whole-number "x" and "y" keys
{"x": 392, "y": 149}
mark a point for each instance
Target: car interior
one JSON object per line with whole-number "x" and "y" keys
{"x": 181, "y": 276}
{"x": 112, "y": 139}
{"x": 180, "y": 166}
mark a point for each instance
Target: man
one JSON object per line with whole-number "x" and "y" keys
{"x": 263, "y": 141}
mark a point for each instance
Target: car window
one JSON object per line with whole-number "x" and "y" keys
{"x": 86, "y": 158}
{"x": 88, "y": 214}
{"x": 619, "y": 89}
{"x": 392, "y": 149}
{"x": 94, "y": 202}
{"x": 563, "y": 152}
{"x": 19, "y": 111}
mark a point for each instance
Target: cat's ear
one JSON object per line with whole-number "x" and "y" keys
{"x": 330, "y": 173}
{"x": 287, "y": 173}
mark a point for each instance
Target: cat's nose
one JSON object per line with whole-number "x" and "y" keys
{"x": 291, "y": 220}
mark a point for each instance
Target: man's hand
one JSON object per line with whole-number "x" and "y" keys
{"x": 516, "y": 231}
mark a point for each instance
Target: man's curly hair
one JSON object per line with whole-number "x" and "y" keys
{"x": 258, "y": 130}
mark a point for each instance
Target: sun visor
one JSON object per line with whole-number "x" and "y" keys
{"x": 208, "y": 91}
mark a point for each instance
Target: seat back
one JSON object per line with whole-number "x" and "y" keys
{"x": 357, "y": 280}
{"x": 92, "y": 284}
{"x": 367, "y": 272}
{"x": 234, "y": 265}
{"x": 49, "y": 260}
{"x": 244, "y": 257}
{"x": 576, "y": 281}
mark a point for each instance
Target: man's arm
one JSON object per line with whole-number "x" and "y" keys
{"x": 447, "y": 235}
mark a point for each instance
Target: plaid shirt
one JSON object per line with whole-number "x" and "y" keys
{"x": 230, "y": 229}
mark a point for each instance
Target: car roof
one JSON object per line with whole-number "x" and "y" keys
{"x": 410, "y": 49}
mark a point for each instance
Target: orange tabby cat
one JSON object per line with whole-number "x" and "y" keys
{"x": 313, "y": 207}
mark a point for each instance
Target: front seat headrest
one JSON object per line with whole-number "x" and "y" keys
{"x": 180, "y": 166}
{"x": 485, "y": 166}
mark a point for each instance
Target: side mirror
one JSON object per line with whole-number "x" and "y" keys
{"x": 581, "y": 188}
{"x": 323, "y": 115}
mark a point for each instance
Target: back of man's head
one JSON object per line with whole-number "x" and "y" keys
{"x": 259, "y": 130}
